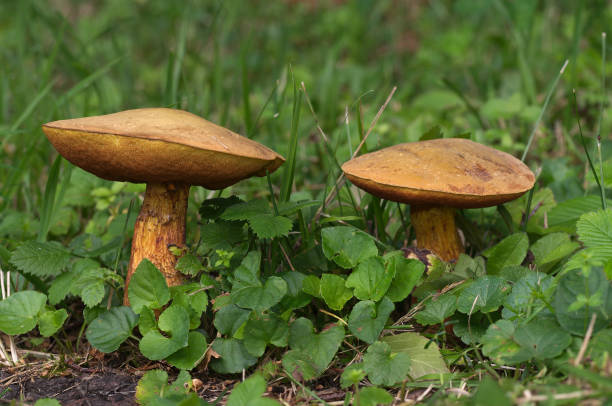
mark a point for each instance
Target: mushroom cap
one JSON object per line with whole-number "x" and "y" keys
{"x": 160, "y": 145}
{"x": 447, "y": 172}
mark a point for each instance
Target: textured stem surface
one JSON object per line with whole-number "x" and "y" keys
{"x": 436, "y": 231}
{"x": 160, "y": 225}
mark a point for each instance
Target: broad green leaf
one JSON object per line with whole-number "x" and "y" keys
{"x": 352, "y": 375}
{"x": 263, "y": 329}
{"x": 270, "y": 226}
{"x": 490, "y": 393}
{"x": 246, "y": 210}
{"x": 371, "y": 279}
{"x": 499, "y": 344}
{"x": 19, "y": 312}
{"x": 61, "y": 286}
{"x": 578, "y": 296}
{"x": 599, "y": 346}
{"x": 41, "y": 258}
{"x": 47, "y": 402}
{"x": 384, "y": 367}
{"x": 470, "y": 267}
{"x": 234, "y": 356}
{"x": 89, "y": 284}
{"x": 312, "y": 286}
{"x": 470, "y": 328}
{"x": 147, "y": 287}
{"x": 437, "y": 310}
{"x": 189, "y": 264}
{"x": 485, "y": 295}
{"x": 247, "y": 273}
{"x": 334, "y": 291}
{"x": 408, "y": 273}
{"x": 249, "y": 392}
{"x": 301, "y": 365}
{"x": 188, "y": 357}
{"x": 230, "y": 318}
{"x": 174, "y": 322}
{"x": 372, "y": 396}
{"x": 260, "y": 298}
{"x": 210, "y": 209}
{"x": 425, "y": 357}
{"x": 146, "y": 321}
{"x": 567, "y": 213}
{"x": 495, "y": 108}
{"x": 150, "y": 386}
{"x": 509, "y": 251}
{"x": 552, "y": 248}
{"x": 321, "y": 347}
{"x": 111, "y": 328}
{"x": 50, "y": 321}
{"x": 595, "y": 231}
{"x": 542, "y": 339}
{"x": 347, "y": 246}
{"x": 367, "y": 319}
{"x": 222, "y": 234}
{"x": 531, "y": 291}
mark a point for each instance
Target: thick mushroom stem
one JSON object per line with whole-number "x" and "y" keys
{"x": 436, "y": 231}
{"x": 160, "y": 225}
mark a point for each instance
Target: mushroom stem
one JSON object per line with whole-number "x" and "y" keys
{"x": 160, "y": 225}
{"x": 436, "y": 231}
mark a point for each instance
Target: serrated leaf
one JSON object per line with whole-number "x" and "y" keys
{"x": 210, "y": 209}
{"x": 352, "y": 375}
{"x": 595, "y": 231}
{"x": 147, "y": 287}
{"x": 334, "y": 292}
{"x": 41, "y": 259}
{"x": 552, "y": 248}
{"x": 425, "y": 357}
{"x": 531, "y": 291}
{"x": 263, "y": 329}
{"x": 567, "y": 213}
{"x": 189, "y": 265}
{"x": 485, "y": 294}
{"x": 174, "y": 322}
{"x": 50, "y": 321}
{"x": 187, "y": 358}
{"x": 270, "y": 226}
{"x": 347, "y": 246}
{"x": 408, "y": 273}
{"x": 61, "y": 286}
{"x": 234, "y": 356}
{"x": 222, "y": 234}
{"x": 19, "y": 312}
{"x": 367, "y": 319}
{"x": 437, "y": 310}
{"x": 509, "y": 251}
{"x": 111, "y": 328}
{"x": 246, "y": 210}
{"x": 371, "y": 279}
{"x": 383, "y": 367}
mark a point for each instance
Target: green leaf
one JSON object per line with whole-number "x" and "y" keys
{"x": 367, "y": 319}
{"x": 408, "y": 273}
{"x": 47, "y": 402}
{"x": 222, "y": 234}
{"x": 246, "y": 210}
{"x": 300, "y": 365}
{"x": 490, "y": 393}
{"x": 148, "y": 287}
{"x": 174, "y": 321}
{"x": 230, "y": 318}
{"x": 312, "y": 285}
{"x": 189, "y": 265}
{"x": 499, "y": 344}
{"x": 188, "y": 357}
{"x": 263, "y": 329}
{"x": 595, "y": 231}
{"x": 249, "y": 392}
{"x": 50, "y": 321}
{"x": 470, "y": 329}
{"x": 234, "y": 356}
{"x": 352, "y": 375}
{"x": 146, "y": 321}
{"x": 542, "y": 339}
{"x": 552, "y": 248}
{"x": 529, "y": 292}
{"x": 61, "y": 286}
{"x": 383, "y": 367}
{"x": 509, "y": 251}
{"x": 260, "y": 298}
{"x": 150, "y": 385}
{"x": 111, "y": 328}
{"x": 485, "y": 294}
{"x": 372, "y": 396}
{"x": 19, "y": 312}
{"x": 334, "y": 292}
{"x": 270, "y": 226}
{"x": 41, "y": 259}
{"x": 437, "y": 310}
{"x": 495, "y": 108}
{"x": 347, "y": 246}
{"x": 432, "y": 134}
{"x": 371, "y": 279}
{"x": 210, "y": 209}
{"x": 89, "y": 284}
{"x": 424, "y": 355}
{"x": 567, "y": 213}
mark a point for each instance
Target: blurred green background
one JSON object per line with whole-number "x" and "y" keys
{"x": 481, "y": 67}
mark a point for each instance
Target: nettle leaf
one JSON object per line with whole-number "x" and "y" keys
{"x": 263, "y": 329}
{"x": 270, "y": 226}
{"x": 424, "y": 355}
{"x": 50, "y": 321}
{"x": 367, "y": 319}
{"x": 247, "y": 210}
{"x": 485, "y": 295}
{"x": 230, "y": 318}
{"x": 533, "y": 290}
{"x": 148, "y": 287}
{"x": 41, "y": 258}
{"x": 372, "y": 396}
{"x": 188, "y": 357}
{"x": 233, "y": 356}
{"x": 595, "y": 231}
{"x": 311, "y": 351}
{"x": 174, "y": 322}
{"x": 408, "y": 273}
{"x": 19, "y": 312}
{"x": 347, "y": 246}
{"x": 371, "y": 279}
{"x": 111, "y": 328}
{"x": 249, "y": 392}
{"x": 384, "y": 367}
{"x": 509, "y": 251}
{"x": 578, "y": 296}
{"x": 89, "y": 283}
{"x": 552, "y": 248}
{"x": 189, "y": 265}
{"x": 437, "y": 310}
{"x": 334, "y": 292}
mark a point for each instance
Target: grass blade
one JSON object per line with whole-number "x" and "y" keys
{"x": 49, "y": 199}
{"x": 290, "y": 165}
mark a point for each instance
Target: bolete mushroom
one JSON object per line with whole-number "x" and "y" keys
{"x": 437, "y": 176}
{"x": 169, "y": 150}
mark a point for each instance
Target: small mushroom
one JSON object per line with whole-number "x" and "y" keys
{"x": 437, "y": 176}
{"x": 169, "y": 150}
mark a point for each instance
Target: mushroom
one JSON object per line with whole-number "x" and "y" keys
{"x": 437, "y": 176}
{"x": 169, "y": 150}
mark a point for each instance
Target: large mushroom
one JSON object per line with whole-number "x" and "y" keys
{"x": 436, "y": 176}
{"x": 169, "y": 150}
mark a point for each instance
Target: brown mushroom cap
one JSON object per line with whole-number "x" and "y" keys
{"x": 446, "y": 172}
{"x": 160, "y": 145}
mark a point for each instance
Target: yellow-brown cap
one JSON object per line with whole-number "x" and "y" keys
{"x": 447, "y": 172}
{"x": 160, "y": 145}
